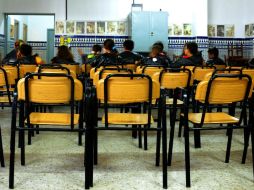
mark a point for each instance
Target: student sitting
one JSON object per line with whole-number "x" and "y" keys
{"x": 128, "y": 56}
{"x": 109, "y": 57}
{"x": 191, "y": 56}
{"x": 24, "y": 55}
{"x": 155, "y": 58}
{"x": 11, "y": 57}
{"x": 213, "y": 57}
{"x": 162, "y": 53}
{"x": 63, "y": 56}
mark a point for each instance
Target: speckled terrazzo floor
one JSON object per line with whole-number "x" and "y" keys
{"x": 54, "y": 161}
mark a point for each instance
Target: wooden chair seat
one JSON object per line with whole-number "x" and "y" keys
{"x": 52, "y": 118}
{"x": 127, "y": 119}
{"x": 212, "y": 118}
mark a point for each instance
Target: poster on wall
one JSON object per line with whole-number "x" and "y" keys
{"x": 90, "y": 27}
{"x": 121, "y": 28}
{"x": 230, "y": 30}
{"x": 178, "y": 30}
{"x": 220, "y": 30}
{"x": 12, "y": 31}
{"x": 247, "y": 30}
{"x": 251, "y": 29}
{"x": 70, "y": 27}
{"x": 211, "y": 30}
{"x": 80, "y": 27}
{"x": 101, "y": 28}
{"x": 170, "y": 30}
{"x": 187, "y": 29}
{"x": 59, "y": 27}
{"x": 111, "y": 27}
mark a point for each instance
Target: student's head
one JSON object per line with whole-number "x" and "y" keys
{"x": 64, "y": 52}
{"x": 160, "y": 45}
{"x": 213, "y": 53}
{"x": 25, "y": 50}
{"x": 128, "y": 45}
{"x": 96, "y": 49}
{"x": 190, "y": 49}
{"x": 18, "y": 43}
{"x": 155, "y": 51}
{"x": 109, "y": 44}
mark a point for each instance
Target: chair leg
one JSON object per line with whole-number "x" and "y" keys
{"x": 230, "y": 132}
{"x": 187, "y": 157}
{"x": 252, "y": 148}
{"x": 180, "y": 125}
{"x": 145, "y": 138}
{"x": 12, "y": 146}
{"x": 29, "y": 137}
{"x": 158, "y": 147}
{"x": 246, "y": 144}
{"x": 22, "y": 147}
{"x": 139, "y": 137}
{"x": 197, "y": 140}
{"x": 164, "y": 148}
{"x": 171, "y": 138}
{"x": 88, "y": 158}
{"x": 95, "y": 147}
{"x": 1, "y": 150}
{"x": 134, "y": 132}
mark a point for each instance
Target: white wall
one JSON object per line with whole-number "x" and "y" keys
{"x": 37, "y": 27}
{"x": 1, "y": 17}
{"x": 237, "y": 12}
{"x": 22, "y": 20}
{"x": 228, "y": 12}
{"x": 247, "y": 11}
{"x": 36, "y": 6}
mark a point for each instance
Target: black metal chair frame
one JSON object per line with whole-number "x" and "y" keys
{"x": 25, "y": 108}
{"x": 229, "y": 127}
{"x": 92, "y": 126}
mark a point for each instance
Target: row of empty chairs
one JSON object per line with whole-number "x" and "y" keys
{"x": 146, "y": 88}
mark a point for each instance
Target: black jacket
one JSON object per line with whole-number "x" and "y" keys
{"x": 10, "y": 57}
{"x": 215, "y": 61}
{"x": 60, "y": 60}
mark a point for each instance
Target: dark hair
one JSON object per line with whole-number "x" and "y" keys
{"x": 64, "y": 53}
{"x": 18, "y": 43}
{"x": 109, "y": 44}
{"x": 214, "y": 51}
{"x": 160, "y": 45}
{"x": 192, "y": 47}
{"x": 96, "y": 48}
{"x": 128, "y": 44}
{"x": 25, "y": 50}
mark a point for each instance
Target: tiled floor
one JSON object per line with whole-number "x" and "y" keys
{"x": 54, "y": 161}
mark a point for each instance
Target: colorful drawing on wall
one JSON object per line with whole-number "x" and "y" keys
{"x": 187, "y": 29}
{"x": 25, "y": 32}
{"x": 251, "y": 29}
{"x": 111, "y": 27}
{"x": 121, "y": 28}
{"x": 101, "y": 28}
{"x": 12, "y": 31}
{"x": 90, "y": 27}
{"x": 220, "y": 30}
{"x": 247, "y": 30}
{"x": 59, "y": 27}
{"x": 230, "y": 30}
{"x": 178, "y": 30}
{"x": 211, "y": 30}
{"x": 170, "y": 30}
{"x": 70, "y": 27}
{"x": 80, "y": 27}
